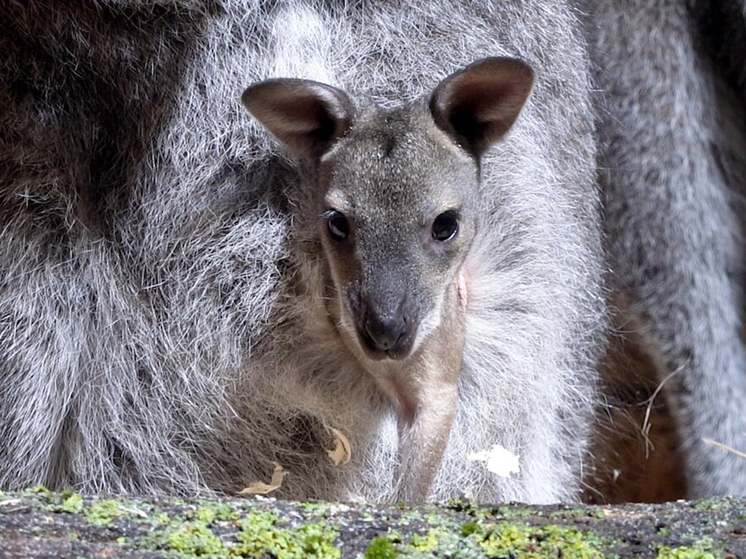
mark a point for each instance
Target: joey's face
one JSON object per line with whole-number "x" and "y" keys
{"x": 398, "y": 202}
{"x": 397, "y": 190}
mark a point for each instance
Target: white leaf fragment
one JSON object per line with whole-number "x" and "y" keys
{"x": 499, "y": 460}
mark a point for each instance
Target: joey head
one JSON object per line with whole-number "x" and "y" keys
{"x": 397, "y": 194}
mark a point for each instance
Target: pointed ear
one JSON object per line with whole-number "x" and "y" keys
{"x": 306, "y": 116}
{"x": 476, "y": 106}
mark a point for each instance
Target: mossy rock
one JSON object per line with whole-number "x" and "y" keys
{"x": 40, "y": 523}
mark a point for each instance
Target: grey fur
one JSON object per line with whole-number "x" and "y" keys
{"x": 397, "y": 196}
{"x": 673, "y": 170}
{"x": 162, "y": 316}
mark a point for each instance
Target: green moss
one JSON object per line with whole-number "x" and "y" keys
{"x": 425, "y": 543}
{"x": 700, "y": 550}
{"x": 381, "y": 548}
{"x": 513, "y": 512}
{"x": 479, "y": 513}
{"x": 712, "y": 504}
{"x": 217, "y": 512}
{"x": 395, "y": 537}
{"x": 469, "y": 528}
{"x": 502, "y": 512}
{"x": 196, "y": 539}
{"x": 102, "y": 513}
{"x": 73, "y": 536}
{"x": 318, "y": 508}
{"x": 507, "y": 539}
{"x": 317, "y": 541}
{"x": 72, "y": 504}
{"x": 260, "y": 537}
{"x": 203, "y": 514}
{"x": 475, "y": 539}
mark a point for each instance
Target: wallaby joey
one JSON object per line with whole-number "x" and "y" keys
{"x": 397, "y": 195}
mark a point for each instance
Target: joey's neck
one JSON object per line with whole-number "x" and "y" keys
{"x": 436, "y": 361}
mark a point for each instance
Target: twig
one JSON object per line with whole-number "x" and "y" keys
{"x": 724, "y": 447}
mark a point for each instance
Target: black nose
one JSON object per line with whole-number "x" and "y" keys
{"x": 385, "y": 332}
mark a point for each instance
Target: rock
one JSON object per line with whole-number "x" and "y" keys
{"x": 38, "y": 523}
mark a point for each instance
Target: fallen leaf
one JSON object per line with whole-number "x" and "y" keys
{"x": 341, "y": 452}
{"x": 261, "y": 488}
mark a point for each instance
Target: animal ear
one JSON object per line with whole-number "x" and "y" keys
{"x": 306, "y": 116}
{"x": 477, "y": 105}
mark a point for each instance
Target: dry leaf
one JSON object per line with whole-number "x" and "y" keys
{"x": 261, "y": 488}
{"x": 499, "y": 460}
{"x": 341, "y": 452}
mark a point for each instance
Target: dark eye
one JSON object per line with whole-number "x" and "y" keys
{"x": 338, "y": 226}
{"x": 445, "y": 226}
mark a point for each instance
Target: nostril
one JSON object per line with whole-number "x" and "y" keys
{"x": 374, "y": 335}
{"x": 384, "y": 334}
{"x": 399, "y": 339}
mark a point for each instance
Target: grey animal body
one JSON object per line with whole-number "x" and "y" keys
{"x": 164, "y": 323}
{"x": 398, "y": 193}
{"x": 672, "y": 123}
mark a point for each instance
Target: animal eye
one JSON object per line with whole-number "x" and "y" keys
{"x": 338, "y": 226}
{"x": 445, "y": 226}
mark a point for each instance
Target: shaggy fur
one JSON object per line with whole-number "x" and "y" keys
{"x": 162, "y": 327}
{"x": 673, "y": 171}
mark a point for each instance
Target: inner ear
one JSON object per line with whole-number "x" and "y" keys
{"x": 304, "y": 115}
{"x": 477, "y": 105}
